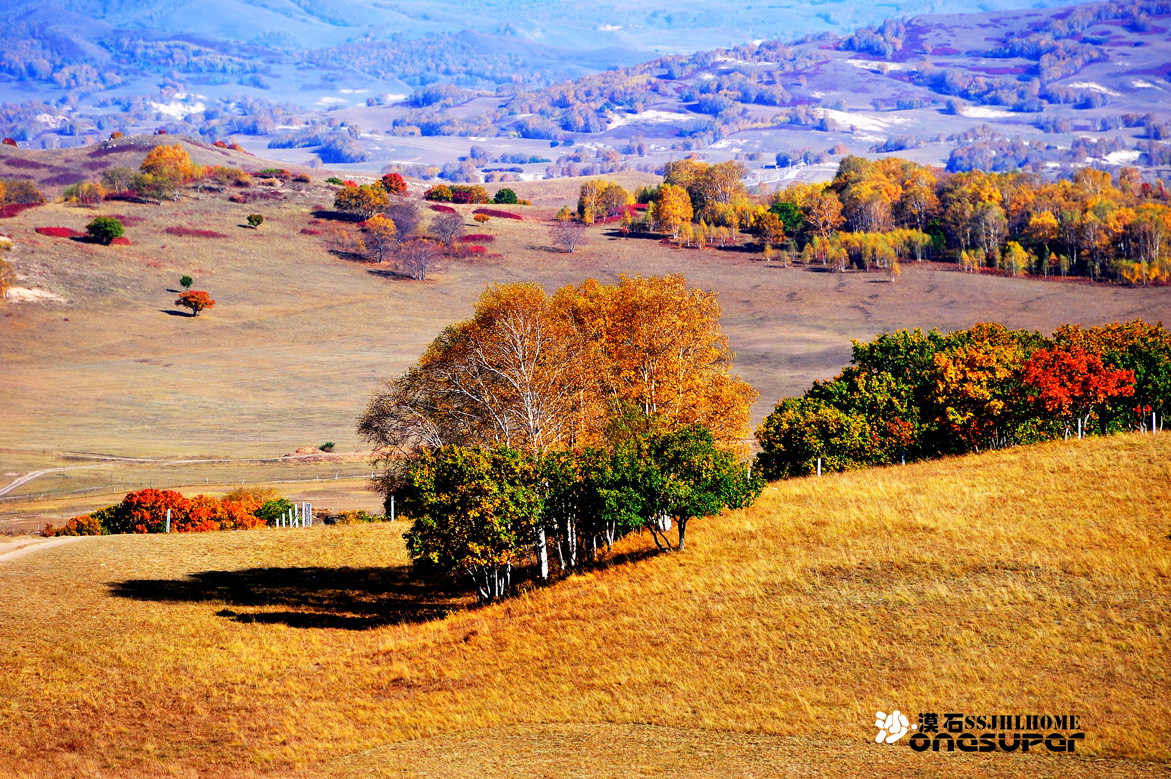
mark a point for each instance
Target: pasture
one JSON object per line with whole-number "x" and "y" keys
{"x": 103, "y": 364}
{"x": 981, "y": 584}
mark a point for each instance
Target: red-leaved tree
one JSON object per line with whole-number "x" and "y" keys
{"x": 1073, "y": 383}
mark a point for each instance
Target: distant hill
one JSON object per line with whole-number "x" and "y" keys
{"x": 1046, "y": 90}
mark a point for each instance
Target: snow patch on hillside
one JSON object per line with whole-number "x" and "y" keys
{"x": 1123, "y": 157}
{"x": 648, "y": 117}
{"x": 983, "y": 112}
{"x": 1094, "y": 86}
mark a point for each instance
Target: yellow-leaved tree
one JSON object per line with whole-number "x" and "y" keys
{"x": 544, "y": 373}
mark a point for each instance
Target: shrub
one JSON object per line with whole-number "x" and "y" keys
{"x": 104, "y": 229}
{"x": 477, "y": 238}
{"x": 439, "y": 192}
{"x": 327, "y": 446}
{"x": 309, "y": 231}
{"x": 335, "y": 181}
{"x": 505, "y": 197}
{"x": 443, "y": 209}
{"x": 186, "y": 281}
{"x": 84, "y": 525}
{"x": 59, "y": 232}
{"x": 353, "y": 517}
{"x": 481, "y": 218}
{"x": 13, "y": 209}
{"x": 191, "y": 232}
{"x": 273, "y": 509}
{"x": 255, "y": 220}
{"x": 145, "y": 511}
{"x": 499, "y": 214}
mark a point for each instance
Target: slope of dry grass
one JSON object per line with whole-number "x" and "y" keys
{"x": 1033, "y": 580}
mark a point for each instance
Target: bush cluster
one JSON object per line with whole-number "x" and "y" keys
{"x": 911, "y": 395}
{"x": 145, "y": 511}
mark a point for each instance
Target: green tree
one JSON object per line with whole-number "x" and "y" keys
{"x": 255, "y": 220}
{"x": 186, "y": 281}
{"x": 473, "y": 512}
{"x": 105, "y": 229}
{"x": 506, "y": 197}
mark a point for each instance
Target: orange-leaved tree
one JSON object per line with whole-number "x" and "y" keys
{"x": 1072, "y": 383}
{"x": 196, "y": 300}
{"x": 544, "y": 373}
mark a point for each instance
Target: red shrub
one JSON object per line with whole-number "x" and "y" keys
{"x": 220, "y": 145}
{"x": 9, "y": 142}
{"x": 498, "y": 214}
{"x": 474, "y": 250}
{"x": 443, "y": 209}
{"x": 145, "y": 511}
{"x": 191, "y": 232}
{"x": 120, "y": 242}
{"x": 477, "y": 238}
{"x": 59, "y": 232}
{"x": 309, "y": 231}
{"x": 12, "y": 209}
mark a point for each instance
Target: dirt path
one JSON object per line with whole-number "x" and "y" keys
{"x": 25, "y": 547}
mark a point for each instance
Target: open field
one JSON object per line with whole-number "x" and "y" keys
{"x": 301, "y": 337}
{"x": 981, "y": 585}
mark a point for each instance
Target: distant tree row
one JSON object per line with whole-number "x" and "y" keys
{"x": 1094, "y": 224}
{"x": 911, "y": 395}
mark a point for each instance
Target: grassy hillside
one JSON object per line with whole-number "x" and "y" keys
{"x": 1033, "y": 580}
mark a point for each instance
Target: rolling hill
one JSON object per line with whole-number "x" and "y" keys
{"x": 980, "y": 585}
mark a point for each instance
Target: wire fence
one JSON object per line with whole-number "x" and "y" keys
{"x": 124, "y": 486}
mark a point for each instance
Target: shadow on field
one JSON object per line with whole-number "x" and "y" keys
{"x": 345, "y": 598}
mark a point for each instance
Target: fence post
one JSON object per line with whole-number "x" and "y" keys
{"x": 392, "y": 507}
{"x": 818, "y": 466}
{"x": 168, "y": 520}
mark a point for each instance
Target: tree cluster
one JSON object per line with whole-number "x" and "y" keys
{"x": 1093, "y": 224}
{"x": 911, "y": 395}
{"x": 623, "y": 391}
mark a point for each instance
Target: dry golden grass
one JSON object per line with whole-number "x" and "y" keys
{"x": 1033, "y": 580}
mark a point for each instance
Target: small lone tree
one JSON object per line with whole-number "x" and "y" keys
{"x": 380, "y": 236}
{"x": 416, "y": 256}
{"x": 196, "y": 300}
{"x": 506, "y": 196}
{"x": 394, "y": 184}
{"x": 481, "y": 218}
{"x": 255, "y": 220}
{"x": 105, "y": 229}
{"x": 447, "y": 227}
{"x": 567, "y": 235}
{"x": 186, "y": 281}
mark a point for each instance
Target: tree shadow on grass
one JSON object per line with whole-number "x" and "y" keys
{"x": 173, "y": 312}
{"x": 340, "y": 598}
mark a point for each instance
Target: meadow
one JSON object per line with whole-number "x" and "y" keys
{"x": 982, "y": 584}
{"x": 107, "y": 366}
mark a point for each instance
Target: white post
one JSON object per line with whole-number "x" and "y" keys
{"x": 392, "y": 508}
{"x": 168, "y": 520}
{"x": 309, "y": 513}
{"x": 818, "y": 466}
{"x": 1079, "y": 429}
